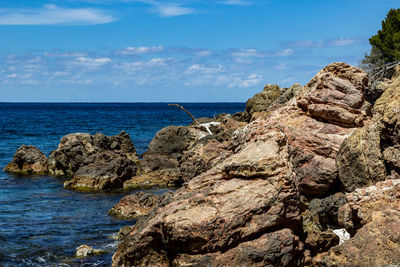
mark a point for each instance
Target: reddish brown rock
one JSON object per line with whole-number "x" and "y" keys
{"x": 28, "y": 160}
{"x": 336, "y": 95}
{"x": 133, "y": 206}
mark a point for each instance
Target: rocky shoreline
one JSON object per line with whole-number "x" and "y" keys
{"x": 305, "y": 176}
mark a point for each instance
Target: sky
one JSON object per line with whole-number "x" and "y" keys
{"x": 175, "y": 50}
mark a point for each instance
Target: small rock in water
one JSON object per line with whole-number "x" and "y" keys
{"x": 342, "y": 234}
{"x": 85, "y": 250}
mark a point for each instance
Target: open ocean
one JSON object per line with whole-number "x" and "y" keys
{"x": 41, "y": 223}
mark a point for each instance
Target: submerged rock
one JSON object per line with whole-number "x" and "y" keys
{"x": 102, "y": 171}
{"x": 133, "y": 206}
{"x": 75, "y": 148}
{"x": 28, "y": 160}
{"x": 246, "y": 208}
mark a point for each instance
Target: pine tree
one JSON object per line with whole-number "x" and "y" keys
{"x": 386, "y": 43}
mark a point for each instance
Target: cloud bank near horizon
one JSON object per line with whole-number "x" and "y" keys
{"x": 233, "y": 73}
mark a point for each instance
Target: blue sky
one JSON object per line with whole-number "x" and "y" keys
{"x": 174, "y": 51}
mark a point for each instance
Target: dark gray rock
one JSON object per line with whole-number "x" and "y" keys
{"x": 75, "y": 148}
{"x": 28, "y": 160}
{"x": 102, "y": 171}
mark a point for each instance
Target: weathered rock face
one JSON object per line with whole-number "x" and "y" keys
{"x": 336, "y": 95}
{"x": 372, "y": 153}
{"x": 237, "y": 210}
{"x": 134, "y": 206}
{"x": 319, "y": 221}
{"x": 173, "y": 140}
{"x": 210, "y": 150}
{"x": 102, "y": 171}
{"x": 279, "y": 248}
{"x": 74, "y": 149}
{"x": 373, "y": 213}
{"x": 28, "y": 160}
{"x": 160, "y": 166}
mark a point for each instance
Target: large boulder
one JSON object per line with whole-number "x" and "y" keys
{"x": 75, "y": 148}
{"x": 133, "y": 206}
{"x": 28, "y": 160}
{"x": 106, "y": 170}
{"x": 372, "y": 153}
{"x": 232, "y": 212}
{"x": 173, "y": 140}
{"x": 337, "y": 95}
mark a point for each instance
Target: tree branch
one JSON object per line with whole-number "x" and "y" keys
{"x": 193, "y": 118}
{"x": 179, "y": 106}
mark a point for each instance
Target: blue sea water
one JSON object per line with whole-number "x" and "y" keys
{"x": 41, "y": 223}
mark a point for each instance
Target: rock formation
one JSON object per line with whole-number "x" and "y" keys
{"x": 28, "y": 160}
{"x": 134, "y": 206}
{"x": 106, "y": 170}
{"x": 75, "y": 148}
{"x": 160, "y": 166}
{"x": 372, "y": 153}
{"x": 272, "y": 96}
{"x": 246, "y": 208}
{"x": 373, "y": 215}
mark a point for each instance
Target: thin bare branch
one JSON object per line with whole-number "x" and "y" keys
{"x": 182, "y": 108}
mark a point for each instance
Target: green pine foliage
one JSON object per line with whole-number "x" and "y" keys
{"x": 386, "y": 43}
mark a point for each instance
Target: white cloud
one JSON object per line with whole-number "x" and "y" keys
{"x": 203, "y": 53}
{"x": 168, "y": 9}
{"x": 281, "y": 66}
{"x": 236, "y": 2}
{"x": 12, "y": 75}
{"x": 91, "y": 62}
{"x": 54, "y": 15}
{"x": 342, "y": 42}
{"x": 255, "y": 53}
{"x": 236, "y": 81}
{"x": 250, "y": 52}
{"x": 324, "y": 43}
{"x": 199, "y": 68}
{"x": 171, "y": 10}
{"x": 132, "y": 67}
{"x": 60, "y": 73}
{"x": 64, "y": 54}
{"x": 140, "y": 50}
{"x": 284, "y": 53}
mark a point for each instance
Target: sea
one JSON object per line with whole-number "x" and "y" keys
{"x": 41, "y": 223}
